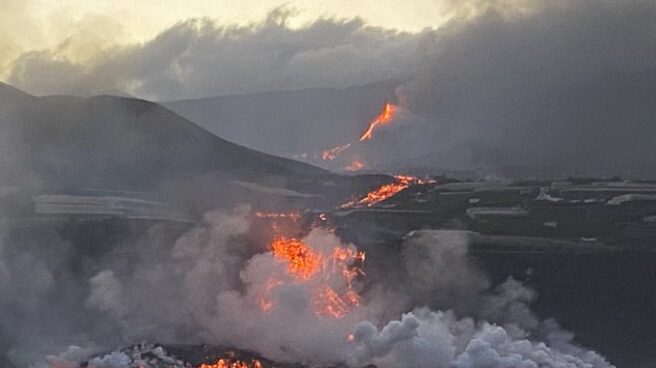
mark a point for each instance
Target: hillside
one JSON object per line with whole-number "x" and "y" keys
{"x": 71, "y": 145}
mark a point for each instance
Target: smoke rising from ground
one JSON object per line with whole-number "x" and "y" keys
{"x": 519, "y": 87}
{"x": 204, "y": 288}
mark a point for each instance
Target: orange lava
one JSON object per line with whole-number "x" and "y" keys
{"x": 309, "y": 266}
{"x": 228, "y": 363}
{"x": 386, "y": 191}
{"x": 386, "y": 116}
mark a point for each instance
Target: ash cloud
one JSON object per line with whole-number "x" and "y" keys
{"x": 425, "y": 338}
{"x": 567, "y": 89}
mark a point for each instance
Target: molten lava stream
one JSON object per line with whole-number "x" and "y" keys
{"x": 386, "y": 191}
{"x": 386, "y": 116}
{"x": 320, "y": 270}
{"x": 228, "y": 363}
{"x": 302, "y": 261}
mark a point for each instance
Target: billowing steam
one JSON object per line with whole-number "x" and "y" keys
{"x": 425, "y": 338}
{"x": 207, "y": 288}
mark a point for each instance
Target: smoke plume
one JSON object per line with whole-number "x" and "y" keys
{"x": 200, "y": 58}
{"x": 205, "y": 287}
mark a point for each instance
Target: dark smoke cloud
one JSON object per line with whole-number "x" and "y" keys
{"x": 203, "y": 287}
{"x": 199, "y": 58}
{"x": 568, "y": 87}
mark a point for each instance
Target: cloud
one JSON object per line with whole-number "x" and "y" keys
{"x": 505, "y": 84}
{"x": 199, "y": 58}
{"x": 567, "y": 89}
{"x": 15, "y": 15}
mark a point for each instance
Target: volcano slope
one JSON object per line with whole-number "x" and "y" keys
{"x": 290, "y": 122}
{"x": 66, "y": 144}
{"x": 585, "y": 245}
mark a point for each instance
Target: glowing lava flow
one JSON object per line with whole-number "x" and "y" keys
{"x": 303, "y": 262}
{"x": 386, "y": 191}
{"x": 389, "y": 111}
{"x": 306, "y": 265}
{"x": 386, "y": 116}
{"x": 228, "y": 363}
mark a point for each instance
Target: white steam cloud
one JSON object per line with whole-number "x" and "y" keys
{"x": 429, "y": 339}
{"x": 563, "y": 90}
{"x": 205, "y": 289}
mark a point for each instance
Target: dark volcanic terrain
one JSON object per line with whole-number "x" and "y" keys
{"x": 587, "y": 246}
{"x": 129, "y": 147}
{"x": 289, "y": 123}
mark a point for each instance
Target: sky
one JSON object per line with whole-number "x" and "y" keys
{"x": 82, "y": 34}
{"x": 161, "y": 14}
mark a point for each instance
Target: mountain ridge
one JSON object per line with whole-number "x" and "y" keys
{"x": 70, "y": 144}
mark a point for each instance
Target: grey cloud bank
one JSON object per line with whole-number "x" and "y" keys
{"x": 199, "y": 58}
{"x": 569, "y": 89}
